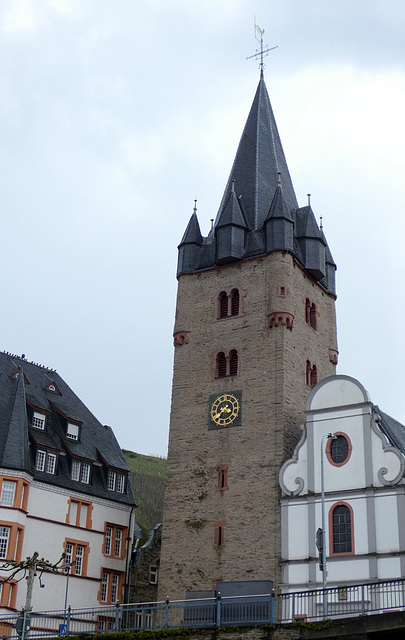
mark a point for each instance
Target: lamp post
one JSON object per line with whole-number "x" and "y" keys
{"x": 328, "y": 436}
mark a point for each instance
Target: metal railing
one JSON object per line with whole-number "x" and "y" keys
{"x": 341, "y": 602}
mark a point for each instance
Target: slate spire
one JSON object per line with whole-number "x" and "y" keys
{"x": 14, "y": 454}
{"x": 258, "y": 161}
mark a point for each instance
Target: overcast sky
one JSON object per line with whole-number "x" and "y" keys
{"x": 116, "y": 114}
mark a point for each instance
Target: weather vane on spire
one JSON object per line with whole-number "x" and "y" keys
{"x": 262, "y": 51}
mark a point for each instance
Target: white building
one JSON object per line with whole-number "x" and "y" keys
{"x": 64, "y": 488}
{"x": 364, "y": 491}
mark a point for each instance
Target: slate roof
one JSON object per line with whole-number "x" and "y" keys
{"x": 394, "y": 430}
{"x": 259, "y": 173}
{"x": 26, "y": 387}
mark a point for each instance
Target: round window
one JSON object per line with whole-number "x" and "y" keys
{"x": 339, "y": 449}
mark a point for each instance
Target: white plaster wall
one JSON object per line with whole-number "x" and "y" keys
{"x": 352, "y": 474}
{"x": 298, "y": 531}
{"x": 388, "y": 458}
{"x": 389, "y": 568}
{"x": 45, "y": 531}
{"x": 298, "y": 574}
{"x": 386, "y": 516}
{"x": 351, "y": 570}
{"x": 338, "y": 391}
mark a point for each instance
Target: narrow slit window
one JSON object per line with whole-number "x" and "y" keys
{"x": 233, "y": 363}
{"x": 223, "y": 305}
{"x": 221, "y": 365}
{"x": 235, "y": 299}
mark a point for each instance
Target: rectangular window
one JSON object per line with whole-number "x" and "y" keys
{"x": 79, "y": 513}
{"x": 85, "y": 473}
{"x": 113, "y": 538}
{"x": 38, "y": 420}
{"x": 104, "y": 586}
{"x": 116, "y": 481}
{"x": 117, "y": 543}
{"x": 120, "y": 483}
{"x": 111, "y": 480}
{"x": 75, "y": 470}
{"x": 79, "y": 559}
{"x": 4, "y": 538}
{"x": 72, "y": 431}
{"x": 69, "y": 553}
{"x": 111, "y": 586}
{"x": 45, "y": 461}
{"x": 76, "y": 552}
{"x": 114, "y": 587}
{"x": 81, "y": 471}
{"x": 7, "y": 493}
{"x": 153, "y": 575}
{"x": 50, "y": 463}
{"x": 108, "y": 540}
{"x": 40, "y": 461}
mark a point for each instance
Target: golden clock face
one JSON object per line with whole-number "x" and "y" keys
{"x": 225, "y": 409}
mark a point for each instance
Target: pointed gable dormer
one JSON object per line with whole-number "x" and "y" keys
{"x": 310, "y": 243}
{"x": 279, "y": 224}
{"x": 230, "y": 230}
{"x": 258, "y": 161}
{"x": 189, "y": 247}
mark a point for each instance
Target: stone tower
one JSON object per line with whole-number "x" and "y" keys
{"x": 255, "y": 329}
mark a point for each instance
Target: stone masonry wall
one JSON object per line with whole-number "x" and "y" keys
{"x": 272, "y": 379}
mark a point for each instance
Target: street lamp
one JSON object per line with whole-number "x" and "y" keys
{"x": 322, "y": 538}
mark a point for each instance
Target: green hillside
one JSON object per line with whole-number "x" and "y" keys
{"x": 148, "y": 476}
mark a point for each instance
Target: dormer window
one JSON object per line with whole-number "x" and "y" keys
{"x": 116, "y": 481}
{"x": 81, "y": 471}
{"x": 38, "y": 420}
{"x": 72, "y": 431}
{"x": 45, "y": 461}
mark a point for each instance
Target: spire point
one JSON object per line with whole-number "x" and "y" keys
{"x": 195, "y": 206}
{"x": 262, "y": 51}
{"x": 279, "y": 178}
{"x": 309, "y": 199}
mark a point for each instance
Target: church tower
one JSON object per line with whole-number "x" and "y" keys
{"x": 255, "y": 330}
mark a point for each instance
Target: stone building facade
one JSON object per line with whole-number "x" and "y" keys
{"x": 255, "y": 330}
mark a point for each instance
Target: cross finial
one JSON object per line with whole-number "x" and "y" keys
{"x": 262, "y": 51}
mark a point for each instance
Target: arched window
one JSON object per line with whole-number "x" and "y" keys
{"x": 235, "y": 302}
{"x": 311, "y": 374}
{"x": 223, "y": 305}
{"x": 314, "y": 376}
{"x": 308, "y": 373}
{"x": 227, "y": 364}
{"x": 342, "y": 529}
{"x": 228, "y": 303}
{"x": 310, "y": 313}
{"x": 221, "y": 365}
{"x": 312, "y": 316}
{"x": 233, "y": 363}
{"x": 307, "y": 311}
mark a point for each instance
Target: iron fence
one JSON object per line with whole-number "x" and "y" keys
{"x": 314, "y": 605}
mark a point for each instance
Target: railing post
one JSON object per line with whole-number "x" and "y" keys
{"x": 24, "y": 630}
{"x": 167, "y": 612}
{"x": 363, "y": 603}
{"x": 69, "y": 611}
{"x": 117, "y": 616}
{"x": 218, "y": 620}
